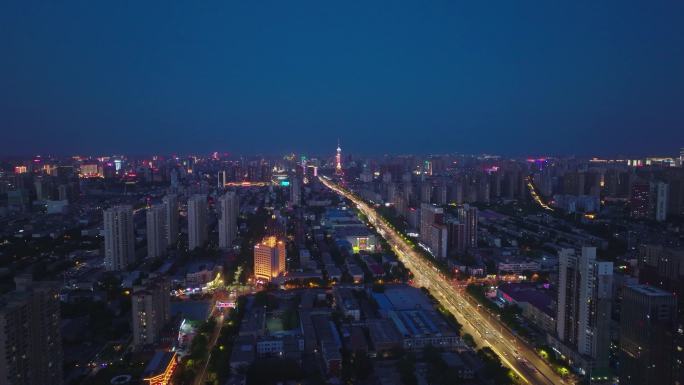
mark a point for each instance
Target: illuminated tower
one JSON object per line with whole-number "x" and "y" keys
{"x": 338, "y": 159}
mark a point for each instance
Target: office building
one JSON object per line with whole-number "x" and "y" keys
{"x": 119, "y": 237}
{"x": 171, "y": 219}
{"x": 648, "y": 323}
{"x": 197, "y": 221}
{"x": 584, "y": 304}
{"x": 156, "y": 231}
{"x": 269, "y": 258}
{"x": 228, "y": 213}
{"x": 150, "y": 308}
{"x": 30, "y": 340}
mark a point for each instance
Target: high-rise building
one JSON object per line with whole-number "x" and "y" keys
{"x": 659, "y": 192}
{"x": 469, "y": 216}
{"x": 197, "y": 221}
{"x": 269, "y": 258}
{"x": 30, "y": 340}
{"x": 150, "y": 308}
{"x": 441, "y": 194}
{"x": 456, "y": 237}
{"x": 229, "y": 207}
{"x": 63, "y": 192}
{"x": 171, "y": 219}
{"x": 221, "y": 179}
{"x": 663, "y": 267}
{"x": 640, "y": 200}
{"x": 295, "y": 191}
{"x": 438, "y": 240}
{"x": 427, "y": 167}
{"x": 648, "y": 323}
{"x": 573, "y": 183}
{"x": 584, "y": 304}
{"x": 429, "y": 215}
{"x": 433, "y": 233}
{"x": 119, "y": 237}
{"x": 156, "y": 231}
{"x": 42, "y": 189}
{"x": 426, "y": 192}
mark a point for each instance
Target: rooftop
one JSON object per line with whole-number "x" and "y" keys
{"x": 650, "y": 291}
{"x": 402, "y": 297}
{"x": 530, "y": 293}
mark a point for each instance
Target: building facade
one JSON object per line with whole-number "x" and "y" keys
{"x": 469, "y": 216}
{"x": 648, "y": 324}
{"x": 171, "y": 219}
{"x": 269, "y": 258}
{"x": 30, "y": 340}
{"x": 119, "y": 237}
{"x": 584, "y": 304}
{"x": 150, "y": 309}
{"x": 156, "y": 231}
{"x": 197, "y": 221}
{"x": 229, "y": 208}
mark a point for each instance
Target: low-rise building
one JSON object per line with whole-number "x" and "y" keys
{"x": 199, "y": 273}
{"x": 347, "y": 303}
{"x": 413, "y": 317}
{"x": 537, "y": 304}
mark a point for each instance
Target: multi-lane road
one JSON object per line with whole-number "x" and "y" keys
{"x": 485, "y": 329}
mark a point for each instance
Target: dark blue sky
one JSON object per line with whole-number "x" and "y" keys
{"x": 512, "y": 77}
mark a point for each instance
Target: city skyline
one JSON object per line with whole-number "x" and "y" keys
{"x": 371, "y": 193}
{"x": 672, "y": 150}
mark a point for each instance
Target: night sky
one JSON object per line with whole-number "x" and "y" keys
{"x": 508, "y": 77}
